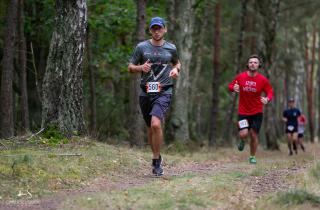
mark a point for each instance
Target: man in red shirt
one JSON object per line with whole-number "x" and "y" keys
{"x": 250, "y": 85}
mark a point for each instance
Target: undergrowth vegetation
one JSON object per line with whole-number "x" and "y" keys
{"x": 50, "y": 165}
{"x": 40, "y": 167}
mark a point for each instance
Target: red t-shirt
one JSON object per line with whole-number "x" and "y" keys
{"x": 250, "y": 92}
{"x": 302, "y": 119}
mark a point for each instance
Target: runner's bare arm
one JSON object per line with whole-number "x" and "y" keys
{"x": 284, "y": 119}
{"x": 140, "y": 68}
{"x": 174, "y": 73}
{"x": 177, "y": 66}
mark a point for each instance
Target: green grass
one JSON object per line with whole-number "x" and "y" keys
{"x": 39, "y": 168}
{"x": 189, "y": 191}
{"x": 259, "y": 171}
{"x": 297, "y": 197}
{"x": 315, "y": 171}
{"x": 46, "y": 170}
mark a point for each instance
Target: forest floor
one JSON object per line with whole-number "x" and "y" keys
{"x": 100, "y": 176}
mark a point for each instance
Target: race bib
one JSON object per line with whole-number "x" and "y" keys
{"x": 153, "y": 87}
{"x": 290, "y": 127}
{"x": 243, "y": 124}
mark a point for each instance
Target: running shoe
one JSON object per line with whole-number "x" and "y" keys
{"x": 157, "y": 166}
{"x": 241, "y": 145}
{"x": 158, "y": 171}
{"x": 252, "y": 160}
{"x": 154, "y": 161}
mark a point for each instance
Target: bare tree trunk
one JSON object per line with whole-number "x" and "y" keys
{"x": 232, "y": 105}
{"x": 182, "y": 29}
{"x": 195, "y": 126}
{"x": 6, "y": 100}
{"x": 286, "y": 70}
{"x": 25, "y": 126}
{"x": 318, "y": 78}
{"x": 216, "y": 77}
{"x": 92, "y": 82}
{"x": 270, "y": 13}
{"x": 309, "y": 84}
{"x": 252, "y": 24}
{"x": 62, "y": 85}
{"x": 136, "y": 124}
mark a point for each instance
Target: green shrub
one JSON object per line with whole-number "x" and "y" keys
{"x": 53, "y": 136}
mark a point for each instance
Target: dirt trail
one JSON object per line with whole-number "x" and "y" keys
{"x": 272, "y": 180}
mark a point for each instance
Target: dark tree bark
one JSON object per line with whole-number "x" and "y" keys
{"x": 195, "y": 95}
{"x": 6, "y": 100}
{"x": 92, "y": 82}
{"x": 309, "y": 83}
{"x": 318, "y": 78}
{"x": 136, "y": 121}
{"x": 23, "y": 72}
{"x": 231, "y": 108}
{"x": 252, "y": 28}
{"x": 181, "y": 27}
{"x": 270, "y": 13}
{"x": 216, "y": 77}
{"x": 62, "y": 85}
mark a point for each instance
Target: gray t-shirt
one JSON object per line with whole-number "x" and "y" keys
{"x": 162, "y": 59}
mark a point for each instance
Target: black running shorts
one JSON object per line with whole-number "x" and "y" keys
{"x": 254, "y": 121}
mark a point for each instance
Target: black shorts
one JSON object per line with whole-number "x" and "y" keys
{"x": 154, "y": 105}
{"x": 300, "y": 135}
{"x": 254, "y": 121}
{"x": 291, "y": 128}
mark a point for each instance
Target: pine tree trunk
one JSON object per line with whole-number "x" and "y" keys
{"x": 136, "y": 124}
{"x": 62, "y": 85}
{"x": 181, "y": 29}
{"x": 318, "y": 78}
{"x": 309, "y": 84}
{"x": 92, "y": 83}
{"x": 270, "y": 13}
{"x": 23, "y": 73}
{"x": 252, "y": 25}
{"x": 216, "y": 78}
{"x": 195, "y": 95}
{"x": 6, "y": 100}
{"x": 232, "y": 105}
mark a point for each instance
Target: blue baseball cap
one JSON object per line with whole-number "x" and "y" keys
{"x": 157, "y": 21}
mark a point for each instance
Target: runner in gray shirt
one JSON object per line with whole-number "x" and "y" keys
{"x": 157, "y": 61}
{"x": 161, "y": 59}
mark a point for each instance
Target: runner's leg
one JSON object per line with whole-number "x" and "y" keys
{"x": 149, "y": 134}
{"x": 157, "y": 136}
{"x": 289, "y": 138}
{"x": 254, "y": 142}
{"x": 243, "y": 134}
{"x": 295, "y": 141}
{"x": 300, "y": 141}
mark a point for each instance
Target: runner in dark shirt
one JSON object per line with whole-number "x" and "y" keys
{"x": 290, "y": 117}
